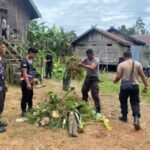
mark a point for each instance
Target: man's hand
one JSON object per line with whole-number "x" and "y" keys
{"x": 115, "y": 81}
{"x": 80, "y": 64}
{"x": 6, "y": 87}
{"x": 145, "y": 90}
{"x": 29, "y": 87}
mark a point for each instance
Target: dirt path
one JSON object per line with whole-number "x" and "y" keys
{"x": 23, "y": 136}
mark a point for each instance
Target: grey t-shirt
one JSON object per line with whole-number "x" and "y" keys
{"x": 95, "y": 72}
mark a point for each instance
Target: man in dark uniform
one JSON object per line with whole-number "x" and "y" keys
{"x": 27, "y": 79}
{"x": 3, "y": 86}
{"x": 49, "y": 64}
{"x": 91, "y": 64}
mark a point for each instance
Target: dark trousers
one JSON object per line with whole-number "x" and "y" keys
{"x": 91, "y": 83}
{"x": 48, "y": 71}
{"x": 2, "y": 98}
{"x": 4, "y": 33}
{"x": 27, "y": 96}
{"x": 134, "y": 101}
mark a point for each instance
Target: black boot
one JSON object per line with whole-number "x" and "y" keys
{"x": 123, "y": 118}
{"x": 23, "y": 114}
{"x": 2, "y": 129}
{"x": 30, "y": 109}
{"x": 3, "y": 124}
{"x": 137, "y": 123}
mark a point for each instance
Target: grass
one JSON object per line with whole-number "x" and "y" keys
{"x": 107, "y": 85}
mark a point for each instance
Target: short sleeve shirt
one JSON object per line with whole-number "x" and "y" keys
{"x": 126, "y": 67}
{"x": 27, "y": 64}
{"x": 95, "y": 72}
{"x": 2, "y": 72}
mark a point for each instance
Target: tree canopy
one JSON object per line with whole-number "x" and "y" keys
{"x": 138, "y": 28}
{"x": 50, "y": 38}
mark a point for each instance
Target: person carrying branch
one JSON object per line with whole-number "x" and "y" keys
{"x": 3, "y": 86}
{"x": 27, "y": 80}
{"x": 91, "y": 64}
{"x": 129, "y": 72}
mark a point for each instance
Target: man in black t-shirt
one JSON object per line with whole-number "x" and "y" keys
{"x": 49, "y": 64}
{"x": 27, "y": 80}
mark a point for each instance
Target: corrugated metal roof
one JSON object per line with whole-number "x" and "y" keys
{"x": 143, "y": 37}
{"x": 128, "y": 37}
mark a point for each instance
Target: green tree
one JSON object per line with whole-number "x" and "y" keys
{"x": 138, "y": 28}
{"x": 54, "y": 39}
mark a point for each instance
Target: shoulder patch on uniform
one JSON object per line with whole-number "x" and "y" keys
{"x": 24, "y": 65}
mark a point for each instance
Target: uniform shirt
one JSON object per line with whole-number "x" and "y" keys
{"x": 95, "y": 72}
{"x": 27, "y": 64}
{"x": 126, "y": 67}
{"x": 2, "y": 74}
{"x": 49, "y": 60}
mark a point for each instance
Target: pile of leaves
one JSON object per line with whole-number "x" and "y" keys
{"x": 53, "y": 112}
{"x": 73, "y": 72}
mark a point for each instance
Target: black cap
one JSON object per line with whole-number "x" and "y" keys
{"x": 89, "y": 51}
{"x": 33, "y": 49}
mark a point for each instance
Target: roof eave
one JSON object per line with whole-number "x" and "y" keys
{"x": 37, "y": 14}
{"x": 138, "y": 42}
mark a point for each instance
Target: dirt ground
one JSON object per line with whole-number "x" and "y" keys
{"x": 24, "y": 136}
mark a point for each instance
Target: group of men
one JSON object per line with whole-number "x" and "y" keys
{"x": 128, "y": 71}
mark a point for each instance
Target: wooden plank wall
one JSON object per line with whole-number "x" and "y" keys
{"x": 98, "y": 43}
{"x": 18, "y": 16}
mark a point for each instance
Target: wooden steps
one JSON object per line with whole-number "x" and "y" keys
{"x": 12, "y": 61}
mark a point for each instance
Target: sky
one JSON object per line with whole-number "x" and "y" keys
{"x": 80, "y": 15}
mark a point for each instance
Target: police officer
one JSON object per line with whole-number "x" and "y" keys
{"x": 91, "y": 64}
{"x": 129, "y": 73}
{"x": 49, "y": 64}
{"x": 3, "y": 86}
{"x": 27, "y": 80}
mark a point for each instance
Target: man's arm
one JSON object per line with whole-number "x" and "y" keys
{"x": 119, "y": 75}
{"x": 92, "y": 66}
{"x": 6, "y": 86}
{"x": 143, "y": 78}
{"x": 24, "y": 72}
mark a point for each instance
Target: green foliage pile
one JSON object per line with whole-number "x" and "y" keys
{"x": 62, "y": 105}
{"x": 57, "y": 108}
